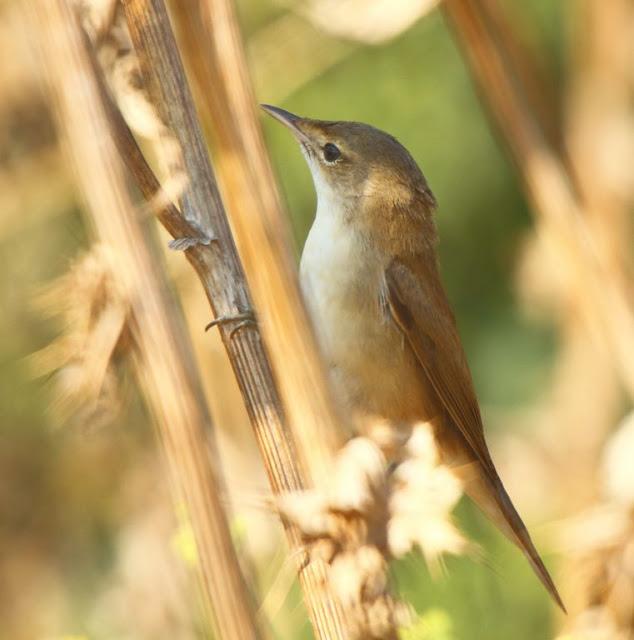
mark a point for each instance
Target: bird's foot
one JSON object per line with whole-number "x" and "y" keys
{"x": 241, "y": 319}
{"x": 195, "y": 235}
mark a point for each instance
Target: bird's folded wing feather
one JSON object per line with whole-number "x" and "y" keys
{"x": 420, "y": 308}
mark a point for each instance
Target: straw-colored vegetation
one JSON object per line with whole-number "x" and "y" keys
{"x": 156, "y": 511}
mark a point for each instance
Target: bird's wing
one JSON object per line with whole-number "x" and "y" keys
{"x": 419, "y": 306}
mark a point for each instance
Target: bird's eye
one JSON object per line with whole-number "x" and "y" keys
{"x": 331, "y": 152}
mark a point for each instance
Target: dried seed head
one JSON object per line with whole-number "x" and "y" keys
{"x": 360, "y": 508}
{"x": 94, "y": 312}
{"x": 310, "y": 511}
{"x": 359, "y": 473}
{"x": 347, "y": 515}
{"x": 423, "y": 495}
{"x": 601, "y": 543}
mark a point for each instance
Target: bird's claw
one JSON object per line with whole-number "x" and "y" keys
{"x": 198, "y": 235}
{"x": 241, "y": 319}
{"x": 187, "y": 242}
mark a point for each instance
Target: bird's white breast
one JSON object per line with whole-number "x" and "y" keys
{"x": 341, "y": 274}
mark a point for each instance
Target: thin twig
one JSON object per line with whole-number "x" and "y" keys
{"x": 164, "y": 359}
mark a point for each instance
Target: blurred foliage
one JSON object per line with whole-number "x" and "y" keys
{"x": 434, "y": 624}
{"x": 62, "y": 494}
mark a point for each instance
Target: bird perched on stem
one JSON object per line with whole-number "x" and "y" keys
{"x": 369, "y": 272}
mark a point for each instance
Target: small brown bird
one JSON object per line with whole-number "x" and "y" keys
{"x": 369, "y": 272}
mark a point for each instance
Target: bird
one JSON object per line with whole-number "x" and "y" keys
{"x": 369, "y": 272}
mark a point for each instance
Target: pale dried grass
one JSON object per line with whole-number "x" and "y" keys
{"x": 368, "y": 512}
{"x": 93, "y": 309}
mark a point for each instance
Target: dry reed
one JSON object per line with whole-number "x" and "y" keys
{"x": 577, "y": 265}
{"x": 94, "y": 327}
{"x": 601, "y": 293}
{"x": 217, "y": 264}
{"x": 163, "y": 357}
{"x": 214, "y": 47}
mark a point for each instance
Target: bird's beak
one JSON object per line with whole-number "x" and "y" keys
{"x": 289, "y": 120}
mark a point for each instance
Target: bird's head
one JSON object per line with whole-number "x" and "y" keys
{"x": 356, "y": 167}
{"x": 353, "y": 159}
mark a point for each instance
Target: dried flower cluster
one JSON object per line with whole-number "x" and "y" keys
{"x": 371, "y": 22}
{"x": 105, "y": 25}
{"x": 94, "y": 327}
{"x": 343, "y": 524}
{"x": 423, "y": 494}
{"x": 602, "y": 541}
{"x": 367, "y": 512}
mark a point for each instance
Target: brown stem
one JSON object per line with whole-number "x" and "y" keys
{"x": 213, "y": 46}
{"x": 527, "y": 63}
{"x": 220, "y": 271}
{"x": 600, "y": 293}
{"x": 164, "y": 358}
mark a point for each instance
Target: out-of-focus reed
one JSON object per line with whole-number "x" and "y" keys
{"x": 160, "y": 349}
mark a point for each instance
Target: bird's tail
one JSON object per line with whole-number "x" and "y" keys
{"x": 491, "y": 496}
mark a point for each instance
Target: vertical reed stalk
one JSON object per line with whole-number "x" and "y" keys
{"x": 164, "y": 357}
{"x": 217, "y": 264}
{"x": 213, "y": 46}
{"x": 529, "y": 65}
{"x": 601, "y": 294}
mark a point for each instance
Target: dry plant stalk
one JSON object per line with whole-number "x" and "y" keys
{"x": 213, "y": 46}
{"x": 529, "y": 65}
{"x": 355, "y": 575}
{"x": 600, "y": 120}
{"x": 165, "y": 362}
{"x": 216, "y": 262}
{"x": 601, "y": 293}
{"x": 582, "y": 224}
{"x": 600, "y": 134}
{"x": 598, "y": 127}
